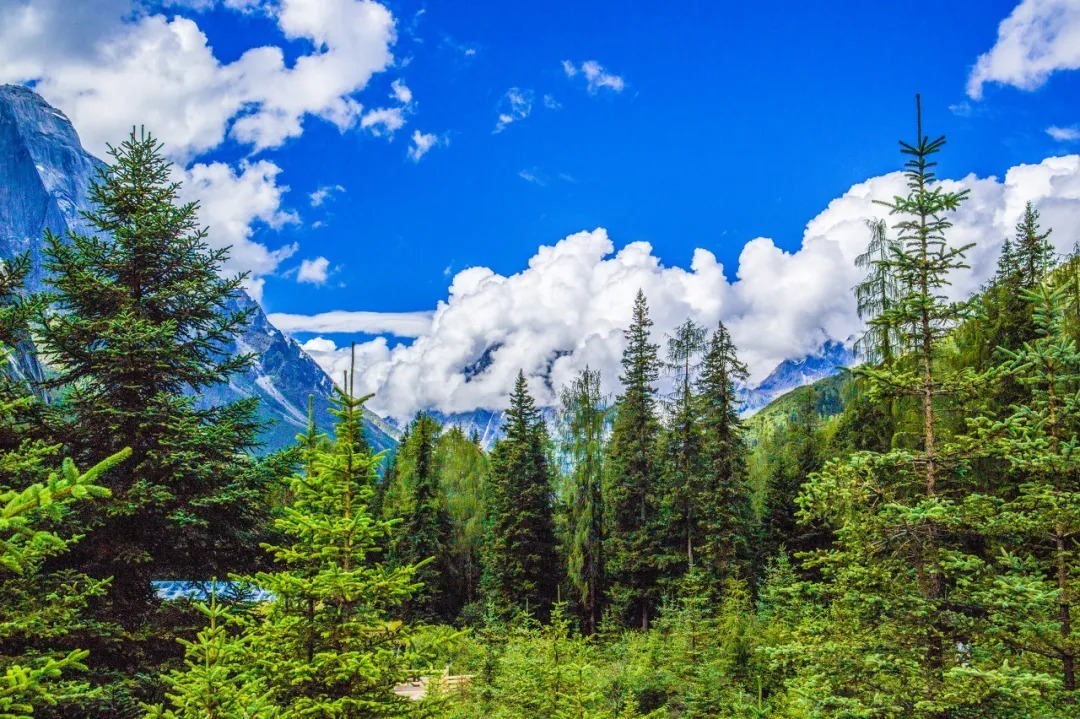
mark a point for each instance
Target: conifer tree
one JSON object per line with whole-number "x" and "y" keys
{"x": 330, "y": 642}
{"x": 521, "y": 562}
{"x": 1035, "y": 594}
{"x": 877, "y": 294}
{"x": 725, "y": 517}
{"x": 683, "y": 491}
{"x": 40, "y": 610}
{"x": 218, "y": 680}
{"x": 425, "y": 528}
{"x": 1034, "y": 253}
{"x": 896, "y": 639}
{"x": 583, "y": 418}
{"x": 139, "y": 325}
{"x": 634, "y": 478}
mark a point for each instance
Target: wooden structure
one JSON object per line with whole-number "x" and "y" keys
{"x": 444, "y": 683}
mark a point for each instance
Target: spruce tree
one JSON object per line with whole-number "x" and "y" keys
{"x": 521, "y": 561}
{"x": 139, "y": 324}
{"x": 42, "y": 611}
{"x": 425, "y": 525}
{"x": 218, "y": 679}
{"x": 681, "y": 467}
{"x": 583, "y": 419}
{"x": 634, "y": 478}
{"x": 330, "y": 642}
{"x": 898, "y": 637}
{"x": 725, "y": 524}
{"x": 1034, "y": 596}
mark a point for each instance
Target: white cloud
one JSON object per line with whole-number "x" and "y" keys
{"x": 421, "y": 143}
{"x": 1038, "y": 38}
{"x": 233, "y": 202}
{"x": 551, "y": 103}
{"x": 314, "y": 271}
{"x": 399, "y": 324}
{"x": 515, "y": 105}
{"x": 383, "y": 121}
{"x": 596, "y": 76}
{"x": 401, "y": 92}
{"x": 324, "y": 193}
{"x": 1064, "y": 134}
{"x": 532, "y": 176}
{"x": 113, "y": 63}
{"x": 568, "y": 308}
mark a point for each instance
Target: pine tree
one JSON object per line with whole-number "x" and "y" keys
{"x": 634, "y": 478}
{"x": 583, "y": 418}
{"x": 897, "y": 639}
{"x": 725, "y": 523}
{"x": 1034, "y": 253}
{"x": 425, "y": 527}
{"x": 40, "y": 610}
{"x": 877, "y": 294}
{"x": 521, "y": 562}
{"x": 217, "y": 680}
{"x": 328, "y": 643}
{"x": 139, "y": 325}
{"x": 1035, "y": 594}
{"x": 681, "y": 441}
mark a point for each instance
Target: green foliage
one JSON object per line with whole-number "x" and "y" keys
{"x": 330, "y": 642}
{"x": 39, "y": 610}
{"x": 634, "y": 540}
{"x": 218, "y": 680}
{"x": 583, "y": 421}
{"x": 521, "y": 567}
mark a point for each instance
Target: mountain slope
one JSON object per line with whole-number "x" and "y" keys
{"x": 45, "y": 175}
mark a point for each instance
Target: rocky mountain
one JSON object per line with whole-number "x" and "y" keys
{"x": 788, "y": 375}
{"x": 44, "y": 177}
{"x": 798, "y": 372}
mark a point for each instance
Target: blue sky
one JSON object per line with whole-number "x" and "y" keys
{"x": 690, "y": 126}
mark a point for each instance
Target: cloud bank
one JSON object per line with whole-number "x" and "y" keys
{"x": 569, "y": 307}
{"x": 109, "y": 64}
{"x": 1039, "y": 38}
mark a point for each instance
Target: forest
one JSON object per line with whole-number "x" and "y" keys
{"x": 899, "y": 540}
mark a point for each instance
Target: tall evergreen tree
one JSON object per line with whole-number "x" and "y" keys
{"x": 681, "y": 465}
{"x": 583, "y": 417}
{"x": 897, "y": 578}
{"x": 425, "y": 524}
{"x": 634, "y": 477}
{"x": 725, "y": 524}
{"x": 1034, "y": 596}
{"x": 464, "y": 478}
{"x": 139, "y": 325}
{"x": 521, "y": 563}
{"x": 330, "y": 643}
{"x": 1034, "y": 253}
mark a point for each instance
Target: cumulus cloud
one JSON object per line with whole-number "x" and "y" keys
{"x": 314, "y": 272}
{"x": 109, "y": 64}
{"x": 233, "y": 203}
{"x": 421, "y": 143}
{"x": 399, "y": 324}
{"x": 596, "y": 77}
{"x": 569, "y": 307}
{"x": 112, "y": 63}
{"x": 1064, "y": 134}
{"x": 515, "y": 105}
{"x": 1038, "y": 38}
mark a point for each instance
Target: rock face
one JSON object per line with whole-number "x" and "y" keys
{"x": 794, "y": 373}
{"x": 44, "y": 179}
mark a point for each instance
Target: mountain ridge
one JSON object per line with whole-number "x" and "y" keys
{"x": 47, "y": 179}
